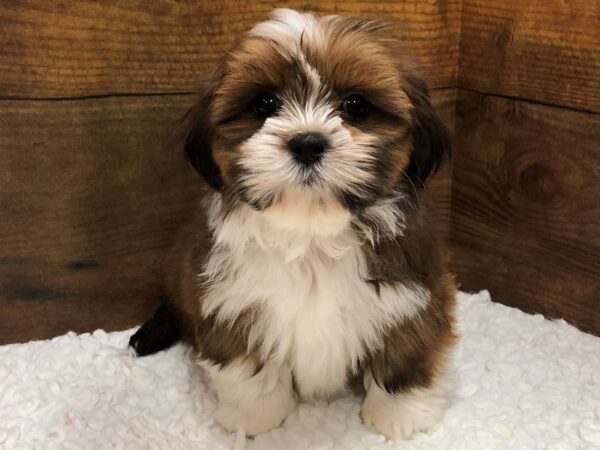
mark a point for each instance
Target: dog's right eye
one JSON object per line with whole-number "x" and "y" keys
{"x": 356, "y": 107}
{"x": 265, "y": 104}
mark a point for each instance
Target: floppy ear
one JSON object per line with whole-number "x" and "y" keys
{"x": 431, "y": 139}
{"x": 197, "y": 134}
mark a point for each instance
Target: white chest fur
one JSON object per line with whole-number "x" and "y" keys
{"x": 316, "y": 312}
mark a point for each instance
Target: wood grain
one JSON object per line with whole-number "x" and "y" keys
{"x": 90, "y": 196}
{"x": 525, "y": 209}
{"x": 543, "y": 50}
{"x": 67, "y": 49}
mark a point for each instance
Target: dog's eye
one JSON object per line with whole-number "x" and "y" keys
{"x": 356, "y": 107}
{"x": 265, "y": 104}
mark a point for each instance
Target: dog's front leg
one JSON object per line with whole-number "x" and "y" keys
{"x": 251, "y": 401}
{"x": 400, "y": 415}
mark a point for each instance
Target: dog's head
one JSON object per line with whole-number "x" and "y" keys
{"x": 320, "y": 111}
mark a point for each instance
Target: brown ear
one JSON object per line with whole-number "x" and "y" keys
{"x": 431, "y": 139}
{"x": 197, "y": 134}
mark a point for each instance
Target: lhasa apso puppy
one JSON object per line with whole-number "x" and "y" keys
{"x": 308, "y": 265}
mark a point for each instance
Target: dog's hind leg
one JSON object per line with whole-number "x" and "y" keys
{"x": 159, "y": 333}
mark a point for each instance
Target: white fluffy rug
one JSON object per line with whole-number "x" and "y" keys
{"x": 523, "y": 383}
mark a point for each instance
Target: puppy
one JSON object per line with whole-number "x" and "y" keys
{"x": 308, "y": 263}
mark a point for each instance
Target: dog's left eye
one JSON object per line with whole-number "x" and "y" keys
{"x": 265, "y": 104}
{"x": 356, "y": 107}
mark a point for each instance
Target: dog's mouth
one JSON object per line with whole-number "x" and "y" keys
{"x": 310, "y": 176}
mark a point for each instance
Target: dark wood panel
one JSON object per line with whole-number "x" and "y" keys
{"x": 90, "y": 196}
{"x": 66, "y": 48}
{"x": 546, "y": 50}
{"x": 525, "y": 206}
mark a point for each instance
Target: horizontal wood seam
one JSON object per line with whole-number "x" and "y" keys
{"x": 529, "y": 100}
{"x": 95, "y": 96}
{"x": 183, "y": 93}
{"x": 126, "y": 94}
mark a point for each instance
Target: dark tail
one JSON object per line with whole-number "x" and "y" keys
{"x": 159, "y": 333}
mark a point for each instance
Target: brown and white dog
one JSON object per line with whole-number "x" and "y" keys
{"x": 308, "y": 264}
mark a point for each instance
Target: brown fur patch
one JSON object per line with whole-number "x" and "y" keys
{"x": 217, "y": 341}
{"x": 257, "y": 65}
{"x": 181, "y": 269}
{"x": 357, "y": 57}
{"x": 414, "y": 351}
{"x": 221, "y": 342}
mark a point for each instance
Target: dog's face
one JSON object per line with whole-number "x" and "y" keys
{"x": 321, "y": 112}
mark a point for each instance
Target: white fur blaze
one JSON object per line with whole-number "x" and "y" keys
{"x": 318, "y": 313}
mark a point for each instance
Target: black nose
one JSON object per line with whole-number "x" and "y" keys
{"x": 308, "y": 148}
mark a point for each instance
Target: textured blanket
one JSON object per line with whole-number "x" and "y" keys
{"x": 522, "y": 382}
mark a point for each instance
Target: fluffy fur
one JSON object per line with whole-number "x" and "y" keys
{"x": 293, "y": 279}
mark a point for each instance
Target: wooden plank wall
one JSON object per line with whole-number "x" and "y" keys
{"x": 525, "y": 192}
{"x": 91, "y": 193}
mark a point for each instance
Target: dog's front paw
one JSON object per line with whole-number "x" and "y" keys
{"x": 397, "y": 423}
{"x": 248, "y": 401}
{"x": 255, "y": 421}
{"x": 402, "y": 415}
